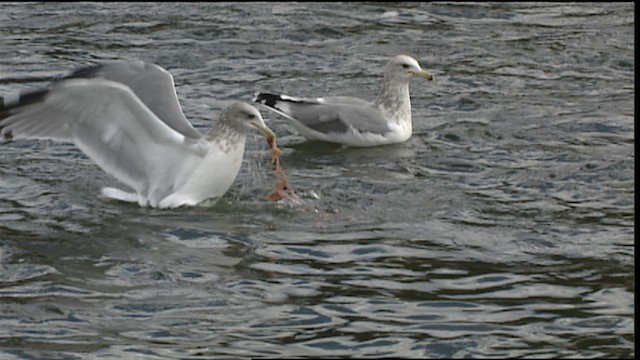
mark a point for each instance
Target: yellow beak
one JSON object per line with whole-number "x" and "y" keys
{"x": 265, "y": 131}
{"x": 423, "y": 74}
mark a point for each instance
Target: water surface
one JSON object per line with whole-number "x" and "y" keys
{"x": 503, "y": 228}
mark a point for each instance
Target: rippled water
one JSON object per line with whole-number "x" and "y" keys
{"x": 503, "y": 228}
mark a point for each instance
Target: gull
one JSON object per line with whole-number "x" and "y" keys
{"x": 126, "y": 117}
{"x": 352, "y": 121}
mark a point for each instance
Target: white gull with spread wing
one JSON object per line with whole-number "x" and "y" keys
{"x": 126, "y": 117}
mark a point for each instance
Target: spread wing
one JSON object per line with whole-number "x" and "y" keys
{"x": 109, "y": 123}
{"x": 152, "y": 84}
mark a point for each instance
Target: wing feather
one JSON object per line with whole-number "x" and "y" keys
{"x": 109, "y": 123}
{"x": 152, "y": 84}
{"x": 327, "y": 115}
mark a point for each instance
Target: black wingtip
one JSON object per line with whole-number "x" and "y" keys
{"x": 267, "y": 99}
{"x": 7, "y": 135}
{"x": 25, "y": 98}
{"x": 9, "y": 108}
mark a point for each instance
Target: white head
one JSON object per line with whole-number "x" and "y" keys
{"x": 403, "y": 67}
{"x": 242, "y": 116}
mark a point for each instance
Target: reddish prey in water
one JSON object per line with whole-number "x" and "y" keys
{"x": 282, "y": 190}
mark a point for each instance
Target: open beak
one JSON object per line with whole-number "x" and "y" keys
{"x": 423, "y": 74}
{"x": 264, "y": 130}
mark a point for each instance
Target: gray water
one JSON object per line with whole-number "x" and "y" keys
{"x": 503, "y": 228}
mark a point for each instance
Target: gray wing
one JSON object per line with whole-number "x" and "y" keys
{"x": 113, "y": 127}
{"x": 328, "y": 115}
{"x": 152, "y": 84}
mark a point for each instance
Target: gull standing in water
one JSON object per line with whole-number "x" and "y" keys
{"x": 353, "y": 121}
{"x": 126, "y": 117}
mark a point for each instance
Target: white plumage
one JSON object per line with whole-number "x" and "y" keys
{"x": 113, "y": 114}
{"x": 352, "y": 121}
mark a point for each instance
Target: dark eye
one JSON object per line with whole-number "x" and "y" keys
{"x": 251, "y": 116}
{"x": 405, "y": 66}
